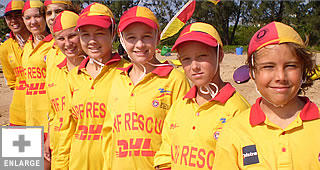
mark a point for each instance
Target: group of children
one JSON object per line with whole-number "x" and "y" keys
{"x": 101, "y": 111}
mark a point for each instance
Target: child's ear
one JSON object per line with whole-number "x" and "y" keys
{"x": 221, "y": 55}
{"x": 158, "y": 38}
{"x": 251, "y": 72}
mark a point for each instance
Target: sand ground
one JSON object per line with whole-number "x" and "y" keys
{"x": 229, "y": 64}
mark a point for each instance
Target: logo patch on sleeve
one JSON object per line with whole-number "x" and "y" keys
{"x": 250, "y": 155}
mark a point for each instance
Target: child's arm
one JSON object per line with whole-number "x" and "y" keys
{"x": 226, "y": 152}
{"x": 107, "y": 141}
{"x": 162, "y": 159}
{"x": 7, "y": 69}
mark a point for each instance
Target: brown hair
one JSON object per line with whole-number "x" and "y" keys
{"x": 305, "y": 56}
{"x": 68, "y": 7}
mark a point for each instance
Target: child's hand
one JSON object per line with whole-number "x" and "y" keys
{"x": 47, "y": 153}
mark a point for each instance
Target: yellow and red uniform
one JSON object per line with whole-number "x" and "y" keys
{"x": 59, "y": 97}
{"x": 252, "y": 141}
{"x": 139, "y": 112}
{"x": 34, "y": 64}
{"x": 54, "y": 57}
{"x": 11, "y": 61}
{"x": 191, "y": 131}
{"x": 88, "y": 109}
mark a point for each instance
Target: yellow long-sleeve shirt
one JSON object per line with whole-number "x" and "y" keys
{"x": 88, "y": 108}
{"x": 138, "y": 113}
{"x": 10, "y": 57}
{"x": 191, "y": 131}
{"x": 34, "y": 64}
{"x": 59, "y": 97}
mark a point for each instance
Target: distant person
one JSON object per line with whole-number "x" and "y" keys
{"x": 7, "y": 37}
{"x": 11, "y": 61}
{"x": 281, "y": 130}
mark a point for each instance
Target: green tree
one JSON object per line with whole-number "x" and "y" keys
{"x": 222, "y": 16}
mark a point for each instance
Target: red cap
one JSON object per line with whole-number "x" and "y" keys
{"x": 201, "y": 32}
{"x": 32, "y": 4}
{"x": 273, "y": 33}
{"x": 48, "y": 2}
{"x": 96, "y": 14}
{"x": 138, "y": 14}
{"x": 65, "y": 20}
{"x": 14, "y": 5}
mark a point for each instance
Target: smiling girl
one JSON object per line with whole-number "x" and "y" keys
{"x": 141, "y": 94}
{"x": 67, "y": 40}
{"x": 281, "y": 130}
{"x": 89, "y": 84}
{"x": 11, "y": 60}
{"x": 34, "y": 63}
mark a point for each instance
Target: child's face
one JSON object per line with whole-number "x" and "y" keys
{"x": 15, "y": 22}
{"x": 278, "y": 74}
{"x": 199, "y": 62}
{"x": 96, "y": 41}
{"x": 34, "y": 21}
{"x": 69, "y": 43}
{"x": 53, "y": 10}
{"x": 140, "y": 41}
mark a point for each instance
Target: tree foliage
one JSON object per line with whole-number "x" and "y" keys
{"x": 236, "y": 21}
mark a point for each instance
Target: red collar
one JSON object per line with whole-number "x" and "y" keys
{"x": 115, "y": 58}
{"x": 161, "y": 71}
{"x": 223, "y": 95}
{"x": 310, "y": 111}
{"x": 48, "y": 38}
{"x": 11, "y": 35}
{"x": 63, "y": 63}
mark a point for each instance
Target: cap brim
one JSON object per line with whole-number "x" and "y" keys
{"x": 196, "y": 36}
{"x": 123, "y": 25}
{"x": 9, "y": 12}
{"x": 100, "y": 21}
{"x": 241, "y": 74}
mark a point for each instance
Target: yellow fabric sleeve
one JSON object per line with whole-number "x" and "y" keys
{"x": 107, "y": 140}
{"x": 163, "y": 156}
{"x": 226, "y": 151}
{"x": 6, "y": 67}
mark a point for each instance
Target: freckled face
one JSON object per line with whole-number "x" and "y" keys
{"x": 199, "y": 62}
{"x": 278, "y": 74}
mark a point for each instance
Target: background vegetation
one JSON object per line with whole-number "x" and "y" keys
{"x": 236, "y": 21}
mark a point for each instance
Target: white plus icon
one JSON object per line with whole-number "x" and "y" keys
{"x": 21, "y": 143}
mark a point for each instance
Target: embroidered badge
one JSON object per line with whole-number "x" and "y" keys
{"x": 250, "y": 155}
{"x": 155, "y": 103}
{"x": 216, "y": 135}
{"x": 261, "y": 34}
